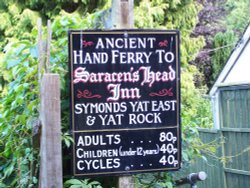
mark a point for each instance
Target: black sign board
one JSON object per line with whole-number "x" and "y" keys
{"x": 125, "y": 101}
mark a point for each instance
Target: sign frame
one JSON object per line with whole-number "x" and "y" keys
{"x": 162, "y": 128}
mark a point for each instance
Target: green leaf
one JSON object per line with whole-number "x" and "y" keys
{"x": 73, "y": 182}
{"x": 204, "y": 158}
{"x": 32, "y": 105}
{"x": 185, "y": 156}
{"x": 169, "y": 185}
{"x": 9, "y": 169}
{"x": 2, "y": 185}
{"x": 76, "y": 186}
{"x": 67, "y": 142}
{"x": 94, "y": 183}
{"x": 12, "y": 62}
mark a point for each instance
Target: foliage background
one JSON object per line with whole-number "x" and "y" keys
{"x": 19, "y": 107}
{"x": 221, "y": 23}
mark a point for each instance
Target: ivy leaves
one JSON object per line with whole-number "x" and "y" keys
{"x": 19, "y": 107}
{"x": 75, "y": 183}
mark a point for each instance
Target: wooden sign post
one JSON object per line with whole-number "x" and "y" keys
{"x": 50, "y": 151}
{"x": 50, "y": 117}
{"x": 123, "y": 18}
{"x": 122, "y": 14}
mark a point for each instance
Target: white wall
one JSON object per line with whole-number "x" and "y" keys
{"x": 240, "y": 72}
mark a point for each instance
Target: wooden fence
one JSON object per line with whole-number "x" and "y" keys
{"x": 234, "y": 113}
{"x": 235, "y": 127}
